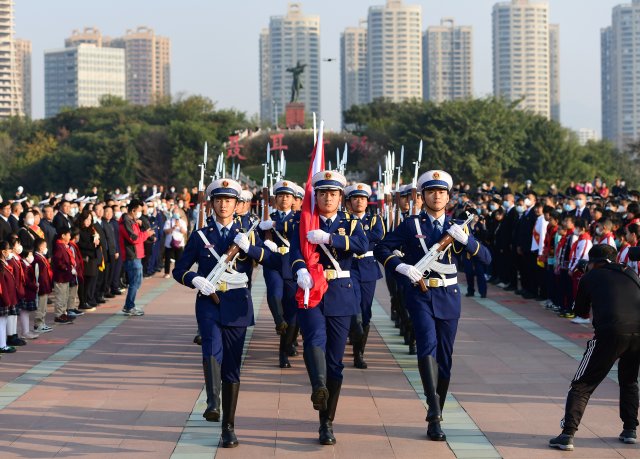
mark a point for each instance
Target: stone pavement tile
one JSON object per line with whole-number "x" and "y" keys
{"x": 128, "y": 395}
{"x": 379, "y": 414}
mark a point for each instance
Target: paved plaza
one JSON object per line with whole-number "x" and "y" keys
{"x": 132, "y": 387}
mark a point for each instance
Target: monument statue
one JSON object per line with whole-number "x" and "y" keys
{"x": 296, "y": 84}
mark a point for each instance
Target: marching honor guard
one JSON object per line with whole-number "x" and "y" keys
{"x": 224, "y": 254}
{"x": 430, "y": 241}
{"x": 365, "y": 270}
{"x": 325, "y": 327}
{"x": 281, "y": 288}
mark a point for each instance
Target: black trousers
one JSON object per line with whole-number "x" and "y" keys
{"x": 602, "y": 352}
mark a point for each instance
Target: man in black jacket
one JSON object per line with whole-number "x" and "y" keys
{"x": 612, "y": 292}
{"x": 62, "y": 220}
{"x": 5, "y": 226}
{"x": 103, "y": 248}
{"x": 46, "y": 225}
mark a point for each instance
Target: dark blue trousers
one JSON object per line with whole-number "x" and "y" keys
{"x": 223, "y": 343}
{"x": 475, "y": 271}
{"x": 434, "y": 337}
{"x": 327, "y": 333}
{"x": 367, "y": 291}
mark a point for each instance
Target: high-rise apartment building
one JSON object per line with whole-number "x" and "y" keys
{"x": 23, "y": 69}
{"x": 394, "y": 51}
{"x": 620, "y": 54}
{"x": 291, "y": 39}
{"x": 11, "y": 99}
{"x": 447, "y": 62}
{"x": 81, "y": 75}
{"x": 522, "y": 55}
{"x": 148, "y": 60}
{"x": 586, "y": 135}
{"x": 354, "y": 83}
{"x": 88, "y": 35}
{"x": 554, "y": 70}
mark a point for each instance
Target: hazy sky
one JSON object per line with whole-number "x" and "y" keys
{"x": 214, "y": 43}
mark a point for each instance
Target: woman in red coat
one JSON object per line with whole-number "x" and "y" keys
{"x": 8, "y": 295}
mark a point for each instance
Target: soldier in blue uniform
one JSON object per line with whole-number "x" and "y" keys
{"x": 365, "y": 270}
{"x": 281, "y": 288}
{"x": 222, "y": 326}
{"x": 325, "y": 327}
{"x": 434, "y": 314}
{"x": 246, "y": 219}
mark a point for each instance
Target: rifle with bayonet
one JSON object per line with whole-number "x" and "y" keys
{"x": 414, "y": 189}
{"x": 202, "y": 198}
{"x": 265, "y": 191}
{"x": 223, "y": 269}
{"x": 435, "y": 253}
{"x": 398, "y": 213}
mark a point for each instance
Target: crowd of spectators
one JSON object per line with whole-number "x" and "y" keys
{"x": 72, "y": 253}
{"x": 540, "y": 241}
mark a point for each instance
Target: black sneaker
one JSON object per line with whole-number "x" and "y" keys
{"x": 628, "y": 436}
{"x": 74, "y": 312}
{"x": 563, "y": 442}
{"x": 7, "y": 350}
{"x": 63, "y": 319}
{"x": 86, "y": 307}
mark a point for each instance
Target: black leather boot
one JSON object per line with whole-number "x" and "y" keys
{"x": 229, "y": 402}
{"x": 356, "y": 331}
{"x": 283, "y": 353}
{"x": 442, "y": 389}
{"x": 358, "y": 350}
{"x": 277, "y": 311}
{"x": 316, "y": 364}
{"x": 429, "y": 374}
{"x": 293, "y": 340}
{"x": 212, "y": 383}
{"x": 327, "y": 416}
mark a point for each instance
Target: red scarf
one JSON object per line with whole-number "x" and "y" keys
{"x": 583, "y": 237}
{"x": 46, "y": 264}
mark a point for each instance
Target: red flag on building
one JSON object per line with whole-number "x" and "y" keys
{"x": 310, "y": 220}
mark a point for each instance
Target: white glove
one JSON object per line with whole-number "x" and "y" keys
{"x": 266, "y": 225}
{"x": 410, "y": 271}
{"x": 304, "y": 278}
{"x": 73, "y": 271}
{"x": 398, "y": 254}
{"x": 202, "y": 284}
{"x": 457, "y": 232}
{"x": 318, "y": 237}
{"x": 271, "y": 245}
{"x": 242, "y": 241}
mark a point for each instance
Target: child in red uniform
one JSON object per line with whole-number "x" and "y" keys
{"x": 8, "y": 296}
{"x": 15, "y": 262}
{"x": 44, "y": 279}
{"x": 29, "y": 303}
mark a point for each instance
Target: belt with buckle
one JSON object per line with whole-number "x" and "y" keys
{"x": 368, "y": 254}
{"x": 331, "y": 274}
{"x": 434, "y": 282}
{"x": 283, "y": 250}
{"x": 225, "y": 286}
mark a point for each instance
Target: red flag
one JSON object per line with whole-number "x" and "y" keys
{"x": 310, "y": 220}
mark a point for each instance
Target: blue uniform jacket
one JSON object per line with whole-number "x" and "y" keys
{"x": 443, "y": 301}
{"x": 235, "y": 308}
{"x": 347, "y": 238}
{"x": 367, "y": 269}
{"x": 282, "y": 226}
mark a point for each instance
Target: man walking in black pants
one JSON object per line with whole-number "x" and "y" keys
{"x": 612, "y": 291}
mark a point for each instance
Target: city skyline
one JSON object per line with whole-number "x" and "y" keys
{"x": 229, "y": 74}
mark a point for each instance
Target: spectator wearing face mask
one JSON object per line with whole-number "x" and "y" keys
{"x": 132, "y": 248}
{"x": 8, "y": 296}
{"x": 30, "y": 231}
{"x": 581, "y": 210}
{"x": 44, "y": 279}
{"x": 175, "y": 236}
{"x": 113, "y": 217}
{"x": 604, "y": 233}
{"x": 15, "y": 266}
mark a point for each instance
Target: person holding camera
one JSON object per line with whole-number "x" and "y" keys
{"x": 612, "y": 291}
{"x": 175, "y": 235}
